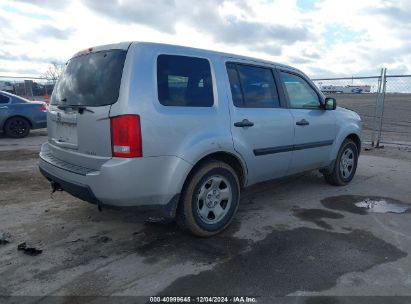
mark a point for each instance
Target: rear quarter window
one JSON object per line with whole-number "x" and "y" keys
{"x": 4, "y": 99}
{"x": 184, "y": 81}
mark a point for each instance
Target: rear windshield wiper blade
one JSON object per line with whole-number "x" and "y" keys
{"x": 80, "y": 109}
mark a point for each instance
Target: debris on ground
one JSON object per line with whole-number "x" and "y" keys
{"x": 104, "y": 239}
{"x": 101, "y": 239}
{"x": 76, "y": 240}
{"x": 29, "y": 250}
{"x": 3, "y": 241}
{"x": 158, "y": 220}
{"x": 5, "y": 238}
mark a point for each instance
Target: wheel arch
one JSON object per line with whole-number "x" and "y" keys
{"x": 351, "y": 131}
{"x": 356, "y": 139}
{"x": 229, "y": 158}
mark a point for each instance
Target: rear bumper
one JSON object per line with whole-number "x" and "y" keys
{"x": 142, "y": 183}
{"x": 78, "y": 190}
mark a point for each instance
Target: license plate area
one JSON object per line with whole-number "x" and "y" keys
{"x": 66, "y": 133}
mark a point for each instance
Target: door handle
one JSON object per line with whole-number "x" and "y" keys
{"x": 4, "y": 107}
{"x": 243, "y": 123}
{"x": 302, "y": 122}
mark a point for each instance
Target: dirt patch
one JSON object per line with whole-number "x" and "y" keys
{"x": 23, "y": 187}
{"x": 395, "y": 152}
{"x": 155, "y": 243}
{"x": 17, "y": 155}
{"x": 83, "y": 284}
{"x": 396, "y": 123}
{"x": 25, "y": 180}
{"x": 288, "y": 261}
{"x": 161, "y": 241}
{"x": 87, "y": 252}
{"x": 316, "y": 216}
{"x": 364, "y": 204}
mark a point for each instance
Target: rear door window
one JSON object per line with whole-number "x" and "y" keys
{"x": 92, "y": 79}
{"x": 184, "y": 81}
{"x": 252, "y": 86}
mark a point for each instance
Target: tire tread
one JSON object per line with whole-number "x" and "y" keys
{"x": 333, "y": 178}
{"x": 184, "y": 217}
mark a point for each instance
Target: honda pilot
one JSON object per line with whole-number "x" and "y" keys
{"x": 184, "y": 130}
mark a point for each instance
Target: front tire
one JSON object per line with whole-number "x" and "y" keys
{"x": 17, "y": 127}
{"x": 345, "y": 165}
{"x": 209, "y": 199}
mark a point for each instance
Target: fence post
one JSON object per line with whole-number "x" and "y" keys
{"x": 384, "y": 86}
{"x": 377, "y": 104}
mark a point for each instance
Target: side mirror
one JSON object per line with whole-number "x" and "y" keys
{"x": 330, "y": 103}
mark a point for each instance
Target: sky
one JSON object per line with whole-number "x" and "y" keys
{"x": 324, "y": 38}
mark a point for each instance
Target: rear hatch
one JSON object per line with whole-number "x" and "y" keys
{"x": 78, "y": 117}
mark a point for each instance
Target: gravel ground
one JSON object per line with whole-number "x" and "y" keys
{"x": 296, "y": 236}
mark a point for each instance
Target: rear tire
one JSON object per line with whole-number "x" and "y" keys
{"x": 17, "y": 127}
{"x": 209, "y": 199}
{"x": 345, "y": 165}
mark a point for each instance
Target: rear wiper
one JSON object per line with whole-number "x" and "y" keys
{"x": 80, "y": 109}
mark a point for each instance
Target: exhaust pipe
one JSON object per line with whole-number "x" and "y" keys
{"x": 55, "y": 187}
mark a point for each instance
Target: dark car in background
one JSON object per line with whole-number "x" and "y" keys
{"x": 19, "y": 115}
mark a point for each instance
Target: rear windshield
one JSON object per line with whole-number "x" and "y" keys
{"x": 90, "y": 80}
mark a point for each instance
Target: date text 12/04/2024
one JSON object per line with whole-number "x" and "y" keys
{"x": 199, "y": 299}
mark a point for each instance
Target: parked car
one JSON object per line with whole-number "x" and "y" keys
{"x": 183, "y": 130}
{"x": 19, "y": 115}
{"x": 6, "y": 86}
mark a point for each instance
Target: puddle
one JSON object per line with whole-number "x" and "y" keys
{"x": 287, "y": 261}
{"x": 316, "y": 216}
{"x": 382, "y": 206}
{"x": 365, "y": 204}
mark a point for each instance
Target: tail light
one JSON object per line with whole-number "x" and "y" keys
{"x": 126, "y": 136}
{"x": 42, "y": 108}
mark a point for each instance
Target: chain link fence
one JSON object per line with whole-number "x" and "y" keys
{"x": 32, "y": 88}
{"x": 383, "y": 102}
{"x": 384, "y": 109}
{"x": 396, "y": 117}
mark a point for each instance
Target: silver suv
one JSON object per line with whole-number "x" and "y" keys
{"x": 182, "y": 130}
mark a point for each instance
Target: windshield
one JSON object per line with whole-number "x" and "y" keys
{"x": 90, "y": 80}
